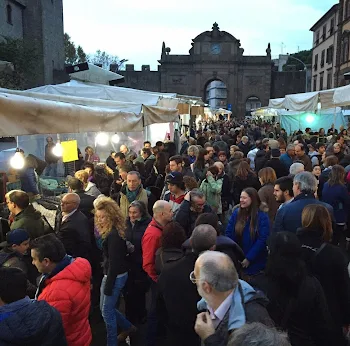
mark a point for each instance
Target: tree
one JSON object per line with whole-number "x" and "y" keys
{"x": 24, "y": 58}
{"x": 305, "y": 56}
{"x": 103, "y": 58}
{"x": 73, "y": 55}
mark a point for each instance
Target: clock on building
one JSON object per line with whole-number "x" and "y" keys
{"x": 215, "y": 48}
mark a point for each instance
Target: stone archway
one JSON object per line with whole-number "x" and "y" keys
{"x": 216, "y": 94}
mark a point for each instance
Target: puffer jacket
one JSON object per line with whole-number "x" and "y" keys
{"x": 69, "y": 292}
{"x": 30, "y": 323}
{"x": 30, "y": 220}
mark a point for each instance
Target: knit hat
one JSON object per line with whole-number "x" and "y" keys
{"x": 174, "y": 178}
{"x": 275, "y": 153}
{"x": 15, "y": 237}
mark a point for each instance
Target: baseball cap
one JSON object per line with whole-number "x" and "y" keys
{"x": 174, "y": 178}
{"x": 15, "y": 237}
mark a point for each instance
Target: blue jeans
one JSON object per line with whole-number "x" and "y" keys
{"x": 51, "y": 170}
{"x": 110, "y": 314}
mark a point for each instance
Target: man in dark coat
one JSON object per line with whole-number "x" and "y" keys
{"x": 86, "y": 204}
{"x": 193, "y": 205}
{"x": 262, "y": 156}
{"x": 72, "y": 227}
{"x": 178, "y": 296}
{"x": 288, "y": 217}
{"x": 24, "y": 321}
{"x": 275, "y": 163}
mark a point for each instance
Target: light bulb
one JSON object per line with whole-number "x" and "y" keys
{"x": 115, "y": 138}
{"x": 102, "y": 138}
{"x": 57, "y": 149}
{"x": 310, "y": 119}
{"x": 17, "y": 161}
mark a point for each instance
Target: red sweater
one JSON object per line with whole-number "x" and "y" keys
{"x": 150, "y": 245}
{"x": 69, "y": 292}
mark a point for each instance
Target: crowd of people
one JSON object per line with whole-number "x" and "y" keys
{"x": 242, "y": 237}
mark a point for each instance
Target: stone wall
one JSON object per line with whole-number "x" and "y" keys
{"x": 14, "y": 30}
{"x": 284, "y": 83}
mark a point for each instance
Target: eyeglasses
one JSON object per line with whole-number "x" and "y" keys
{"x": 193, "y": 278}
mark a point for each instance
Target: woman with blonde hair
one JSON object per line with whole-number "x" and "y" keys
{"x": 111, "y": 224}
{"x": 192, "y": 152}
{"x": 327, "y": 263}
{"x": 89, "y": 187}
{"x": 267, "y": 178}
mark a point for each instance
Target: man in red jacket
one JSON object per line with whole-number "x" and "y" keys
{"x": 65, "y": 285}
{"x": 162, "y": 214}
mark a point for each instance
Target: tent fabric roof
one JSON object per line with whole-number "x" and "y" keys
{"x": 80, "y": 107}
{"x": 341, "y": 96}
{"x": 305, "y": 101}
{"x": 95, "y": 74}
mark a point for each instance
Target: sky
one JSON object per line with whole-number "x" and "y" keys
{"x": 136, "y": 29}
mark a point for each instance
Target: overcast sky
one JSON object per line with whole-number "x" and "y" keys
{"x": 135, "y": 29}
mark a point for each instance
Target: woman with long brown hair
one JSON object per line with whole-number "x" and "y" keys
{"x": 267, "y": 178}
{"x": 110, "y": 224}
{"x": 200, "y": 166}
{"x": 336, "y": 194}
{"x": 244, "y": 178}
{"x": 327, "y": 263}
{"x": 249, "y": 227}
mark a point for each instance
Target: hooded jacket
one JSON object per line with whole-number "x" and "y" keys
{"x": 30, "y": 323}
{"x": 261, "y": 158}
{"x": 69, "y": 292}
{"x": 30, "y": 220}
{"x": 212, "y": 190}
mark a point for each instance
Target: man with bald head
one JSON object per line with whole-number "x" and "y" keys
{"x": 72, "y": 227}
{"x": 223, "y": 295}
{"x": 162, "y": 215}
{"x": 179, "y": 296}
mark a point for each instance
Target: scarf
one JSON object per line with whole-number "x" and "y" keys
{"x": 67, "y": 260}
{"x": 131, "y": 195}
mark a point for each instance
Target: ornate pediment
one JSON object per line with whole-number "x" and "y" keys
{"x": 215, "y": 35}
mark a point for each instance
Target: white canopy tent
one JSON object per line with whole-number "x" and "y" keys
{"x": 79, "y": 107}
{"x": 95, "y": 74}
{"x": 305, "y": 102}
{"x": 341, "y": 97}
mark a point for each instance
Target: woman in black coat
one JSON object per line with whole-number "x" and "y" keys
{"x": 244, "y": 178}
{"x": 327, "y": 263}
{"x": 137, "y": 284}
{"x": 297, "y": 301}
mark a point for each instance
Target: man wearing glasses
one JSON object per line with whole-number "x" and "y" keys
{"x": 72, "y": 227}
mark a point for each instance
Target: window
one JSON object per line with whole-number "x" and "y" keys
{"x": 330, "y": 54}
{"x": 345, "y": 52}
{"x": 329, "y": 79}
{"x": 316, "y": 62}
{"x": 9, "y": 14}
{"x": 317, "y": 40}
{"x": 324, "y": 30}
{"x": 322, "y": 58}
{"x": 321, "y": 81}
{"x": 315, "y": 84}
{"x": 347, "y": 10}
{"x": 331, "y": 29}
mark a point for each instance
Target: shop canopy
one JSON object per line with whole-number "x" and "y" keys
{"x": 79, "y": 107}
{"x": 305, "y": 102}
{"x": 341, "y": 96}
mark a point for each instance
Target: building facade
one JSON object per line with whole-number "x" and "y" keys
{"x": 343, "y": 49}
{"x": 39, "y": 23}
{"x": 324, "y": 53}
{"x": 215, "y": 69}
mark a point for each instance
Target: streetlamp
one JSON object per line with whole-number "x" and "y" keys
{"x": 305, "y": 68}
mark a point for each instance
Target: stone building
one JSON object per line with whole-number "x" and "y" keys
{"x": 215, "y": 56}
{"x": 40, "y": 23}
{"x": 343, "y": 44}
{"x": 325, "y": 32}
